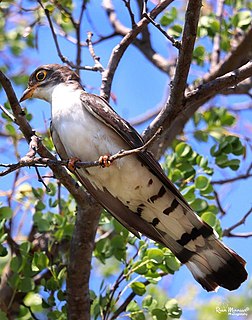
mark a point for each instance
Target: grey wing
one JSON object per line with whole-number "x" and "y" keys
{"x": 57, "y": 143}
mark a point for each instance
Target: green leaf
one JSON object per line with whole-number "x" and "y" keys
{"x": 10, "y": 129}
{"x": 3, "y": 251}
{"x": 132, "y": 307}
{"x": 244, "y": 19}
{"x": 147, "y": 301}
{"x": 159, "y": 314}
{"x": 138, "y": 288}
{"x": 168, "y": 17}
{"x": 209, "y": 218}
{"x": 140, "y": 268}
{"x": 189, "y": 193}
{"x": 5, "y": 213}
{"x": 176, "y": 175}
{"x": 175, "y": 31}
{"x": 234, "y": 164}
{"x": 3, "y": 315}
{"x": 207, "y": 191}
{"x": 172, "y": 263}
{"x": 15, "y": 264}
{"x": 26, "y": 285}
{"x": 174, "y": 311}
{"x": 25, "y": 247}
{"x": 32, "y": 299}
{"x": 155, "y": 255}
{"x": 40, "y": 261}
{"x": 222, "y": 161}
{"x": 183, "y": 149}
{"x": 202, "y": 182}
{"x": 199, "y": 205}
{"x": 137, "y": 316}
{"x": 201, "y": 135}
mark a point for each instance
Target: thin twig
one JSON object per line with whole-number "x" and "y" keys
{"x": 222, "y": 211}
{"x": 238, "y": 235}
{"x": 118, "y": 51}
{"x": 37, "y": 161}
{"x": 244, "y": 176}
{"x": 7, "y": 112}
{"x": 132, "y": 16}
{"x": 228, "y": 232}
{"x": 98, "y": 66}
{"x": 130, "y": 297}
{"x": 30, "y": 310}
{"x": 40, "y": 179}
{"x": 175, "y": 43}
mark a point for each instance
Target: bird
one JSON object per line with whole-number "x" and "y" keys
{"x": 134, "y": 189}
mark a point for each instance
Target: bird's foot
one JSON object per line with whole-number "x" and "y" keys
{"x": 71, "y": 165}
{"x": 105, "y": 161}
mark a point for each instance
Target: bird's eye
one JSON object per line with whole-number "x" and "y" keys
{"x": 40, "y": 75}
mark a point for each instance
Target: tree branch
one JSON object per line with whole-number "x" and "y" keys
{"x": 176, "y": 102}
{"x": 119, "y": 50}
{"x": 228, "y": 232}
{"x": 78, "y": 272}
{"x": 174, "y": 123}
{"x": 29, "y": 160}
{"x": 143, "y": 44}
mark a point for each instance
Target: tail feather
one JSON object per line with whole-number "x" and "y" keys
{"x": 211, "y": 262}
{"x": 217, "y": 266}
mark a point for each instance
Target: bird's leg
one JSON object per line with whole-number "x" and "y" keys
{"x": 105, "y": 161}
{"x": 71, "y": 164}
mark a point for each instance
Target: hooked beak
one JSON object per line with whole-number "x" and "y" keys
{"x": 28, "y": 93}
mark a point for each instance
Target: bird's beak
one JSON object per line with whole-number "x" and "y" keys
{"x": 28, "y": 93}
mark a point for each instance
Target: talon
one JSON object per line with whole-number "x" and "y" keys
{"x": 105, "y": 161}
{"x": 71, "y": 165}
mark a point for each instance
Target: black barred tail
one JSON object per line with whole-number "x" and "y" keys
{"x": 211, "y": 263}
{"x": 217, "y": 266}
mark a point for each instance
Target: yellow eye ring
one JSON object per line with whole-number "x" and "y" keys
{"x": 40, "y": 75}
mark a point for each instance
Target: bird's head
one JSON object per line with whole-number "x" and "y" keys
{"x": 43, "y": 80}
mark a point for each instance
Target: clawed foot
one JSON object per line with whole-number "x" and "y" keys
{"x": 71, "y": 165}
{"x": 105, "y": 161}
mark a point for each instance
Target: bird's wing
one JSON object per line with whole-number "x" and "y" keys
{"x": 99, "y": 108}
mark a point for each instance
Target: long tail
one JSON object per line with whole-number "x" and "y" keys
{"x": 210, "y": 261}
{"x": 217, "y": 265}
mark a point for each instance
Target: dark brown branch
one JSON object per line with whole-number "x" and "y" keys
{"x": 29, "y": 159}
{"x": 78, "y": 272}
{"x": 228, "y": 232}
{"x": 176, "y": 102}
{"x": 239, "y": 235}
{"x": 132, "y": 16}
{"x": 174, "y": 42}
{"x": 222, "y": 211}
{"x": 237, "y": 178}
